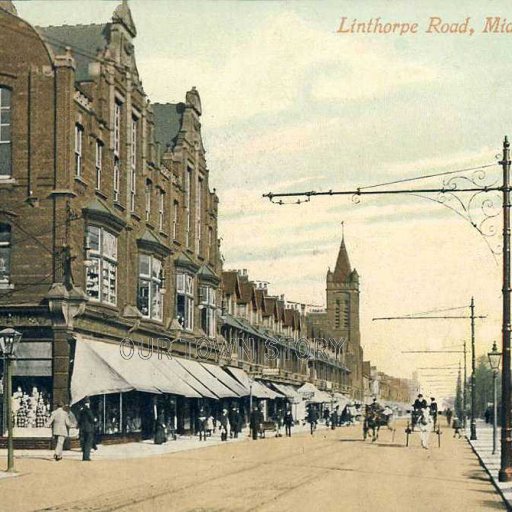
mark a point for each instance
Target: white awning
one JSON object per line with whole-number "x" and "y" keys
{"x": 171, "y": 383}
{"x": 226, "y": 379}
{"x": 288, "y": 391}
{"x": 99, "y": 368}
{"x": 312, "y": 394}
{"x": 271, "y": 394}
{"x": 206, "y": 378}
{"x": 341, "y": 400}
{"x": 93, "y": 376}
{"x": 258, "y": 389}
{"x": 186, "y": 376}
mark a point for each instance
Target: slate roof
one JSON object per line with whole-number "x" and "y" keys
{"x": 230, "y": 282}
{"x": 342, "y": 270}
{"x": 246, "y": 292}
{"x": 168, "y": 120}
{"x": 85, "y": 40}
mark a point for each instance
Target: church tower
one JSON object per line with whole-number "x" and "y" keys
{"x": 343, "y": 314}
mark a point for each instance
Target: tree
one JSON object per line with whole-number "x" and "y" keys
{"x": 483, "y": 386}
{"x": 458, "y": 398}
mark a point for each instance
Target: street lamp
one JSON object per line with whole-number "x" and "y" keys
{"x": 494, "y": 360}
{"x": 9, "y": 339}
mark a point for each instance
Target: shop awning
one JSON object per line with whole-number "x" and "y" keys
{"x": 186, "y": 376}
{"x": 341, "y": 400}
{"x": 288, "y": 391}
{"x": 244, "y": 379}
{"x": 171, "y": 382}
{"x": 206, "y": 378}
{"x": 99, "y": 368}
{"x": 271, "y": 394}
{"x": 93, "y": 376}
{"x": 259, "y": 390}
{"x": 312, "y": 394}
{"x": 226, "y": 379}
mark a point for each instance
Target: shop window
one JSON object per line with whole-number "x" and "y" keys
{"x": 5, "y": 133}
{"x": 207, "y": 308}
{"x": 149, "y": 295}
{"x": 101, "y": 273}
{"x": 31, "y": 402}
{"x": 5, "y": 254}
{"x": 185, "y": 300}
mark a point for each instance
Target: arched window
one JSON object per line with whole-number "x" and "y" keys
{"x": 5, "y": 133}
{"x": 5, "y": 254}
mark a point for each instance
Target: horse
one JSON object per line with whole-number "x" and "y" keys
{"x": 372, "y": 421}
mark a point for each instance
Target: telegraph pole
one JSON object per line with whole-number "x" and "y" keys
{"x": 473, "y": 368}
{"x": 465, "y": 386}
{"x": 505, "y": 473}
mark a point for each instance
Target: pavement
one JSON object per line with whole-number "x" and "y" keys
{"x": 483, "y": 449}
{"x": 329, "y": 471}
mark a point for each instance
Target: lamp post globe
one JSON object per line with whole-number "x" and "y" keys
{"x": 494, "y": 358}
{"x": 494, "y": 361}
{"x": 9, "y": 339}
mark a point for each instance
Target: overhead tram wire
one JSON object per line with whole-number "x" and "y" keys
{"x": 367, "y": 190}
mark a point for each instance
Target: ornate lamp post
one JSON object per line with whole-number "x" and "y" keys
{"x": 494, "y": 360}
{"x": 9, "y": 339}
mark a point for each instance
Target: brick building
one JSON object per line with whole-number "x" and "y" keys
{"x": 340, "y": 320}
{"x": 108, "y": 226}
{"x": 109, "y": 248}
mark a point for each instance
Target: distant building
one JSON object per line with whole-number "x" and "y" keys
{"x": 340, "y": 320}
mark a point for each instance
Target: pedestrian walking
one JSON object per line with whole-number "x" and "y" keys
{"x": 433, "y": 411}
{"x": 160, "y": 429}
{"x": 60, "y": 423}
{"x": 334, "y": 417}
{"x": 456, "y": 425}
{"x": 487, "y": 415}
{"x": 235, "y": 422}
{"x": 449, "y": 415}
{"x": 425, "y": 424}
{"x": 209, "y": 425}
{"x": 202, "y": 425}
{"x": 327, "y": 415}
{"x": 86, "y": 426}
{"x": 255, "y": 422}
{"x": 288, "y": 423}
{"x": 312, "y": 419}
{"x": 224, "y": 425}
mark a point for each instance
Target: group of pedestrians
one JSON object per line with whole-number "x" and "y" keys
{"x": 62, "y": 419}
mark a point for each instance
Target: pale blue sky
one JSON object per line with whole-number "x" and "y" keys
{"x": 289, "y": 104}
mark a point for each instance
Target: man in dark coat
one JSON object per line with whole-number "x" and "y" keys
{"x": 334, "y": 417}
{"x": 235, "y": 420}
{"x": 255, "y": 422}
{"x": 312, "y": 418}
{"x": 86, "y": 426}
{"x": 288, "y": 422}
{"x": 433, "y": 411}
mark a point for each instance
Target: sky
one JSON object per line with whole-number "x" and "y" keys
{"x": 290, "y": 104}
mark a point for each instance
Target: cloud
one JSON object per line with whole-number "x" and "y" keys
{"x": 281, "y": 63}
